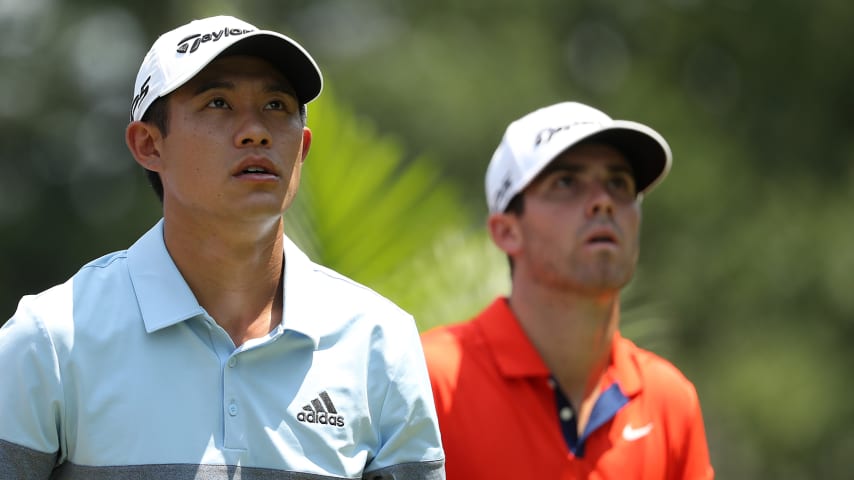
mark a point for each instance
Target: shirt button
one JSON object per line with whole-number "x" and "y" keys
{"x": 232, "y": 409}
{"x": 566, "y": 414}
{"x": 232, "y": 362}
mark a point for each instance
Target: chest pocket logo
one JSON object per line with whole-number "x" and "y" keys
{"x": 321, "y": 411}
{"x": 631, "y": 434}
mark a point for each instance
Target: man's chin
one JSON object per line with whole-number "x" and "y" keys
{"x": 605, "y": 280}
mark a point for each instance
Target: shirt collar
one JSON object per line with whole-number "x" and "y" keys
{"x": 300, "y": 294}
{"x": 624, "y": 368}
{"x": 512, "y": 350}
{"x": 165, "y": 299}
{"x": 516, "y": 356}
{"x": 163, "y": 295}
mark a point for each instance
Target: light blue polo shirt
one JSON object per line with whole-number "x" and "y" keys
{"x": 119, "y": 373}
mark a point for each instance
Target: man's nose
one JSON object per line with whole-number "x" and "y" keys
{"x": 252, "y": 131}
{"x": 600, "y": 201}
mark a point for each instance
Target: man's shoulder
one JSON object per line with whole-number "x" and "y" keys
{"x": 327, "y": 289}
{"x": 447, "y": 348}
{"x": 471, "y": 335}
{"x": 660, "y": 376}
{"x": 98, "y": 272}
{"x": 102, "y": 281}
{"x": 47, "y": 313}
{"x": 442, "y": 339}
{"x": 336, "y": 290}
{"x": 58, "y": 312}
{"x": 330, "y": 306}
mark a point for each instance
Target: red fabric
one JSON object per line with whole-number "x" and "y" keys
{"x": 498, "y": 417}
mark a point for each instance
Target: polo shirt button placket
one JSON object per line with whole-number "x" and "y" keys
{"x": 566, "y": 414}
{"x": 234, "y": 428}
{"x": 568, "y": 422}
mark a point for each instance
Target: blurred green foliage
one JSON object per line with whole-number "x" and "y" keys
{"x": 747, "y": 252}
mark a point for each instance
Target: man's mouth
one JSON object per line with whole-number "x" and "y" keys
{"x": 602, "y": 236}
{"x": 602, "y": 239}
{"x": 256, "y": 166}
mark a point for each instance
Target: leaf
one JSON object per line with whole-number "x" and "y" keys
{"x": 397, "y": 226}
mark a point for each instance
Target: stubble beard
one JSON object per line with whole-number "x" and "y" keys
{"x": 603, "y": 274}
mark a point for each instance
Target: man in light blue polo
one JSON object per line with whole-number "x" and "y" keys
{"x": 213, "y": 348}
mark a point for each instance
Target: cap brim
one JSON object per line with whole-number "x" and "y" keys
{"x": 287, "y": 57}
{"x": 650, "y": 157}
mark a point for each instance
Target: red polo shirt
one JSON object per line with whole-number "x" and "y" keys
{"x": 498, "y": 411}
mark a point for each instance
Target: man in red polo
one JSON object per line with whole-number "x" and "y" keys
{"x": 541, "y": 384}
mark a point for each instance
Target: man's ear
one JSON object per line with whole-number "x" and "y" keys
{"x": 306, "y": 143}
{"x": 505, "y": 232}
{"x": 143, "y": 141}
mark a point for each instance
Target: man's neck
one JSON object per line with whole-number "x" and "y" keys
{"x": 573, "y": 334}
{"x": 235, "y": 273}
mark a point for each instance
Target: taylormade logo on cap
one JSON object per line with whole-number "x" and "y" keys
{"x": 192, "y": 43}
{"x": 546, "y": 135}
{"x": 178, "y": 55}
{"x": 139, "y": 97}
{"x": 533, "y": 141}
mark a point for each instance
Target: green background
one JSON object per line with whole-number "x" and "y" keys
{"x": 746, "y": 263}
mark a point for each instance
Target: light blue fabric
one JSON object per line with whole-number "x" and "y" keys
{"x": 121, "y": 366}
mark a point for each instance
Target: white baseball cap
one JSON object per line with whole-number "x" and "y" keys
{"x": 178, "y": 55}
{"x": 533, "y": 141}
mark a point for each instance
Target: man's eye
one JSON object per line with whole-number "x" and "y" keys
{"x": 566, "y": 180}
{"x": 622, "y": 184}
{"x": 218, "y": 103}
{"x": 276, "y": 105}
{"x": 619, "y": 182}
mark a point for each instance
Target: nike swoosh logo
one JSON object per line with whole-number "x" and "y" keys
{"x": 631, "y": 434}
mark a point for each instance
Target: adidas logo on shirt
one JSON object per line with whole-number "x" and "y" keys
{"x": 322, "y": 411}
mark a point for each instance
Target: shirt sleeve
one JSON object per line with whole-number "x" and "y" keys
{"x": 410, "y": 445}
{"x": 30, "y": 397}
{"x": 694, "y": 456}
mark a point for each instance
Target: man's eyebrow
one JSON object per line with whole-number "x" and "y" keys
{"x": 212, "y": 85}
{"x": 279, "y": 87}
{"x": 575, "y": 168}
{"x": 621, "y": 168}
{"x": 275, "y": 87}
{"x": 559, "y": 167}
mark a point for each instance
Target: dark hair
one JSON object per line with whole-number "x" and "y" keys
{"x": 516, "y": 205}
{"x": 158, "y": 115}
